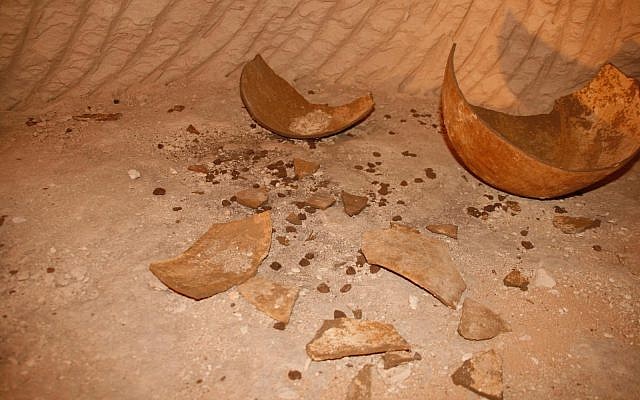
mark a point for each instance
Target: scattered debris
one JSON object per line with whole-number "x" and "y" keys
{"x": 33, "y": 121}
{"x": 360, "y": 386}
{"x": 392, "y": 359}
{"x": 323, "y": 288}
{"x": 444, "y": 229}
{"x": 273, "y": 299}
{"x": 98, "y": 117}
{"x": 479, "y": 322}
{"x": 339, "y": 314}
{"x": 226, "y": 255}
{"x": 527, "y": 245}
{"x": 177, "y": 107}
{"x": 430, "y": 173}
{"x": 482, "y": 374}
{"x": 200, "y": 168}
{"x": 294, "y": 375}
{"x": 424, "y": 261}
{"x": 542, "y": 279}
{"x": 192, "y": 129}
{"x": 320, "y": 201}
{"x": 345, "y": 337}
{"x": 294, "y": 219}
{"x": 133, "y": 174}
{"x": 516, "y": 279}
{"x": 252, "y": 197}
{"x": 572, "y": 225}
{"x": 304, "y": 168}
{"x": 353, "y": 204}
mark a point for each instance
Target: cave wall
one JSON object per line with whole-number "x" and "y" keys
{"x": 514, "y": 55}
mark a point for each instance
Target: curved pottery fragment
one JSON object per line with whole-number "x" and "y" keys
{"x": 278, "y": 107}
{"x": 226, "y": 255}
{"x": 588, "y": 135}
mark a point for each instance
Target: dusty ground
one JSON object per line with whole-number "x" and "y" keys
{"x": 82, "y": 316}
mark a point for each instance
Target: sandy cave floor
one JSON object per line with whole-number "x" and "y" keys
{"x": 82, "y": 316}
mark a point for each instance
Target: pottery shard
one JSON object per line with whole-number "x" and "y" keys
{"x": 360, "y": 386}
{"x": 424, "y": 261}
{"x": 226, "y": 255}
{"x": 479, "y": 322}
{"x": 253, "y": 197}
{"x": 271, "y": 298}
{"x": 304, "y": 168}
{"x": 321, "y": 201}
{"x": 444, "y": 229}
{"x": 392, "y": 359}
{"x": 574, "y": 224}
{"x": 353, "y": 205}
{"x": 345, "y": 337}
{"x": 516, "y": 279}
{"x": 482, "y": 374}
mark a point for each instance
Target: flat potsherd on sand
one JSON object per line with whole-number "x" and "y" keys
{"x": 226, "y": 255}
{"x": 424, "y": 261}
{"x": 320, "y": 201}
{"x": 271, "y": 298}
{"x": 360, "y": 386}
{"x": 571, "y": 225}
{"x": 345, "y": 337}
{"x": 478, "y": 322}
{"x": 304, "y": 168}
{"x": 353, "y": 204}
{"x": 392, "y": 359}
{"x": 444, "y": 229}
{"x": 482, "y": 374}
{"x": 515, "y": 278}
{"x": 253, "y": 197}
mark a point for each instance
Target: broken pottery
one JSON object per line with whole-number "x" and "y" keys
{"x": 392, "y": 359}
{"x": 482, "y": 373}
{"x": 320, "y": 201}
{"x": 360, "y": 386}
{"x": 271, "y": 298}
{"x": 423, "y": 260}
{"x": 252, "y": 197}
{"x": 515, "y": 278}
{"x": 278, "y": 107}
{"x": 444, "y": 229}
{"x": 479, "y": 322}
{"x": 571, "y": 225}
{"x": 345, "y": 337}
{"x": 226, "y": 255}
{"x": 353, "y": 204}
{"x": 304, "y": 168}
{"x": 588, "y": 135}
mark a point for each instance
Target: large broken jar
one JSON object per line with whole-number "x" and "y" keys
{"x": 588, "y": 135}
{"x": 278, "y": 107}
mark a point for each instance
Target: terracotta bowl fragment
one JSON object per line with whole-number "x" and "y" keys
{"x": 588, "y": 135}
{"x": 278, "y": 107}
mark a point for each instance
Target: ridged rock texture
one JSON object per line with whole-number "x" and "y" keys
{"x": 515, "y": 56}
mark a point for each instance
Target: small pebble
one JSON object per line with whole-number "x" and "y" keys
{"x": 159, "y": 191}
{"x": 351, "y": 271}
{"x": 279, "y": 326}
{"x": 323, "y": 288}
{"x": 294, "y": 375}
{"x": 345, "y": 288}
{"x": 275, "y": 266}
{"x": 339, "y": 314}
